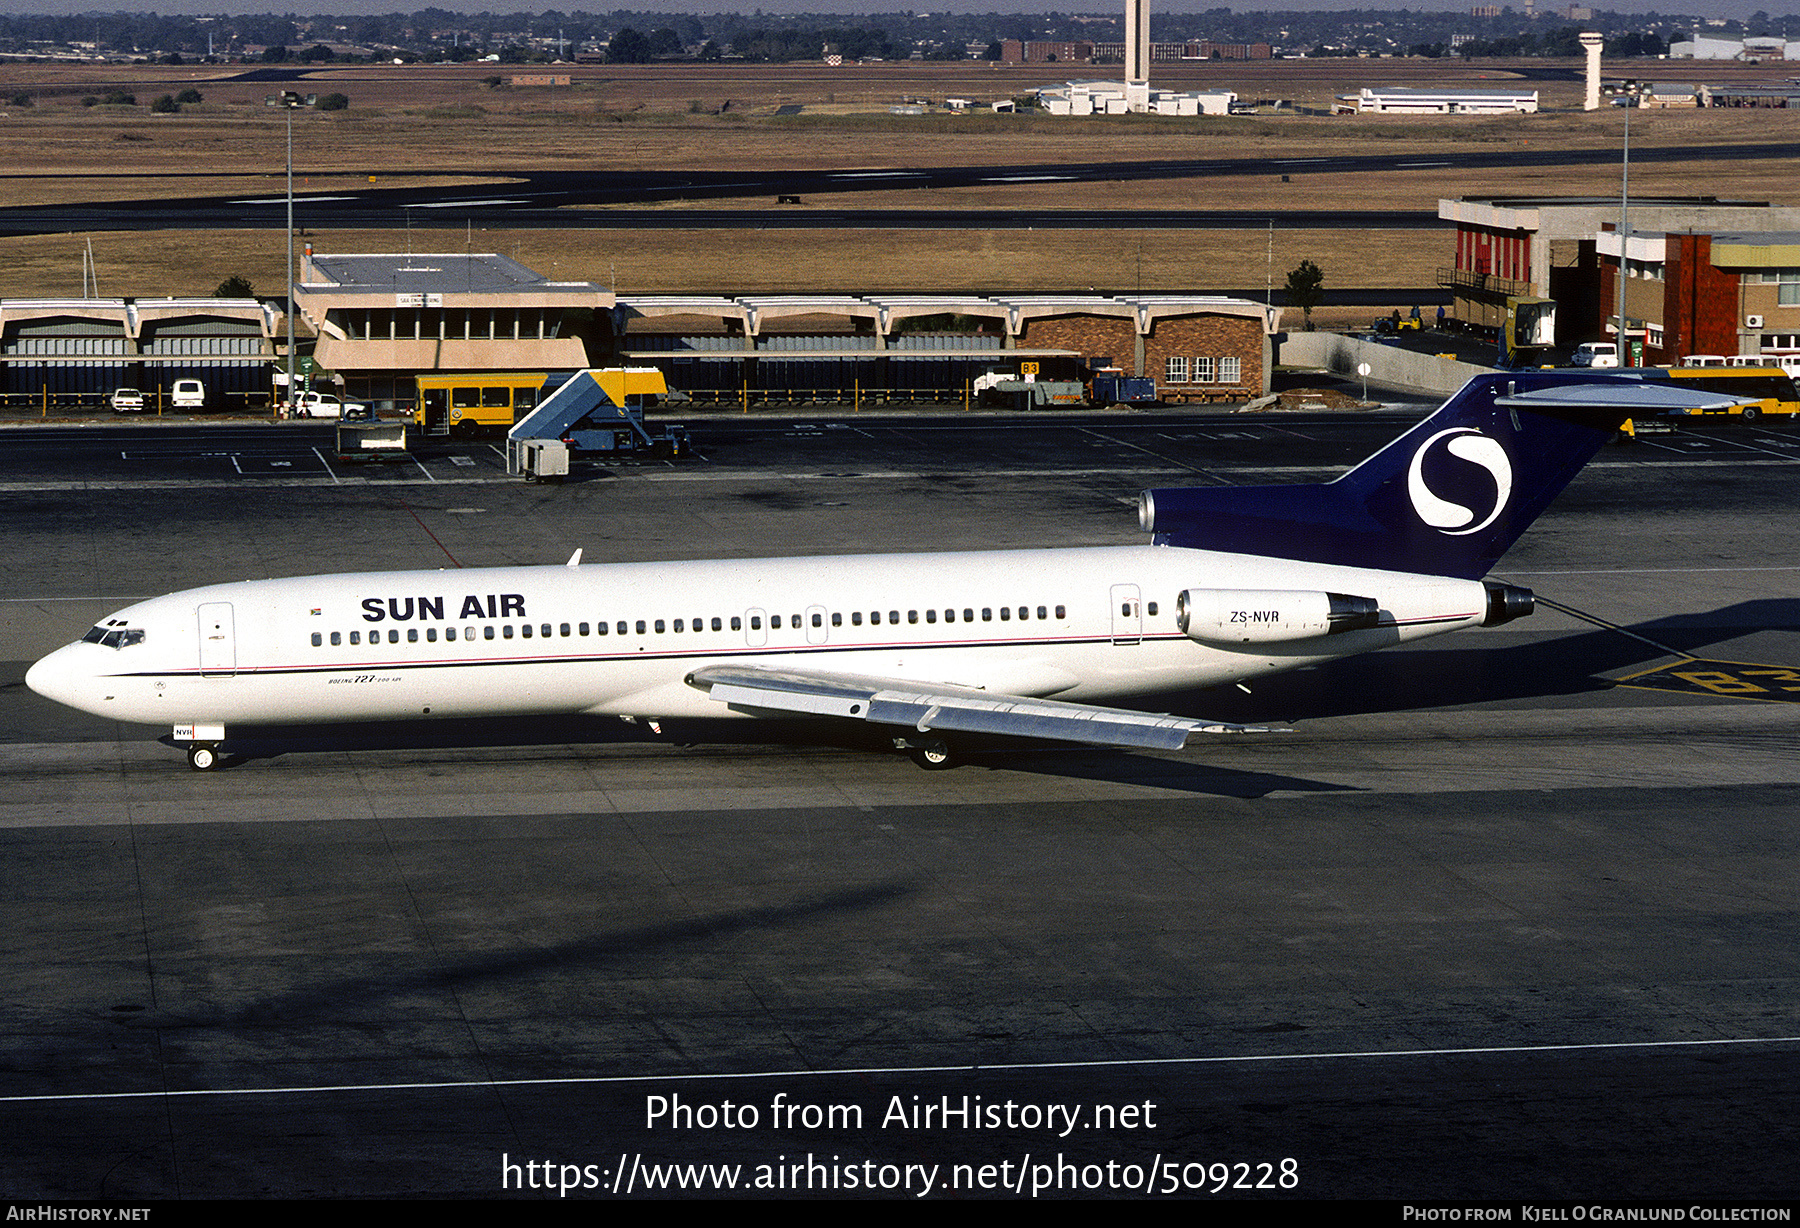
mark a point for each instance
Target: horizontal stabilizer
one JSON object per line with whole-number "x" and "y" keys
{"x": 929, "y": 706}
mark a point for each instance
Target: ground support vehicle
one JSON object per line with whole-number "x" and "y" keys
{"x": 597, "y": 414}
{"x": 361, "y": 436}
{"x": 479, "y": 402}
{"x": 1761, "y": 390}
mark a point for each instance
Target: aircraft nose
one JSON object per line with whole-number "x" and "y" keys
{"x": 50, "y": 677}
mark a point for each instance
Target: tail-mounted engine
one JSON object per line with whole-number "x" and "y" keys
{"x": 1506, "y": 602}
{"x": 1267, "y": 616}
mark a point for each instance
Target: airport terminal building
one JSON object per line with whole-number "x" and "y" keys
{"x": 78, "y": 349}
{"x": 383, "y": 320}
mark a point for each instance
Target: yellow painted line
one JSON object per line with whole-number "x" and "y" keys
{"x": 1737, "y": 679}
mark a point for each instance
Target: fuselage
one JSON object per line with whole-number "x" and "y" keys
{"x": 1083, "y": 625}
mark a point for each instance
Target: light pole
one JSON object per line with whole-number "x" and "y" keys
{"x": 1624, "y": 101}
{"x": 288, "y": 101}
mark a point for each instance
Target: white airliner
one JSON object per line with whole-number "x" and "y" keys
{"x": 1237, "y": 583}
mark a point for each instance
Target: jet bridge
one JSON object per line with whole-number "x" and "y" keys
{"x": 599, "y": 411}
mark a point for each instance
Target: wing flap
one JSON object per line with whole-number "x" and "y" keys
{"x": 926, "y": 707}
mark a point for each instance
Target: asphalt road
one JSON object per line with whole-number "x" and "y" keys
{"x": 1486, "y": 925}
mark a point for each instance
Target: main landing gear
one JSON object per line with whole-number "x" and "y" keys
{"x": 203, "y": 756}
{"x": 932, "y": 754}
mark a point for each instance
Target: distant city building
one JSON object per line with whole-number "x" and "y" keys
{"x": 1014, "y": 51}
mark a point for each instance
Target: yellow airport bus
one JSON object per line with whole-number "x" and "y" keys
{"x": 1764, "y": 390}
{"x": 477, "y": 402}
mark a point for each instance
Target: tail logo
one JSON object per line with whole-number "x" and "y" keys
{"x": 1451, "y": 518}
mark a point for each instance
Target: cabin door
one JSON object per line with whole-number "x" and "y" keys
{"x": 218, "y": 639}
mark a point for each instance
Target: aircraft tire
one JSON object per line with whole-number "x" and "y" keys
{"x": 203, "y": 756}
{"x": 933, "y": 757}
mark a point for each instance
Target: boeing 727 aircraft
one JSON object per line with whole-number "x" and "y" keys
{"x": 1236, "y": 583}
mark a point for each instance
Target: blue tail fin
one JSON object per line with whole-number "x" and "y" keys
{"x": 1447, "y": 498}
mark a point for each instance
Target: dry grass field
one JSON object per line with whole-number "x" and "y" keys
{"x": 454, "y": 125}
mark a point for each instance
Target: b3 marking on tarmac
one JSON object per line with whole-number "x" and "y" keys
{"x": 1734, "y": 678}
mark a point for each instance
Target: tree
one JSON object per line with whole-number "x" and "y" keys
{"x": 166, "y": 105}
{"x": 189, "y": 96}
{"x": 1304, "y": 289}
{"x": 628, "y": 47}
{"x": 332, "y": 102}
{"x": 235, "y": 286}
{"x": 275, "y": 55}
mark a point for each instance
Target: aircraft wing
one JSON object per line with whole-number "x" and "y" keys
{"x": 932, "y": 706}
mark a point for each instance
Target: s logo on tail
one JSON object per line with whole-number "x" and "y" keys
{"x": 1466, "y": 444}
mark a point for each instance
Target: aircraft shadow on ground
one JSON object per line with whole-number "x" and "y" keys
{"x": 1469, "y": 671}
{"x": 639, "y": 950}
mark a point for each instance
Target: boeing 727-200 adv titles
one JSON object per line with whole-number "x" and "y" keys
{"x": 1236, "y": 583}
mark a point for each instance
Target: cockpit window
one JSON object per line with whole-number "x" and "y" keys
{"x": 114, "y": 637}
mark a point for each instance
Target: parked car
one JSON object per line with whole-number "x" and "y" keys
{"x": 324, "y": 405}
{"x": 188, "y": 394}
{"x": 126, "y": 401}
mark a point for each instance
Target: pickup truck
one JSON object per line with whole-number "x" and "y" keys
{"x": 325, "y": 405}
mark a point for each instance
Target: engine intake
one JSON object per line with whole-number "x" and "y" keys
{"x": 1269, "y": 616}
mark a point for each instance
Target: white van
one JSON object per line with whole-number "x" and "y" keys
{"x": 188, "y": 394}
{"x": 1595, "y": 354}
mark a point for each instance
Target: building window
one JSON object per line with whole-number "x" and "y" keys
{"x": 1175, "y": 371}
{"x": 1203, "y": 370}
{"x": 1231, "y": 371}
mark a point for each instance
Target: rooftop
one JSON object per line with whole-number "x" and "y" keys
{"x": 432, "y": 273}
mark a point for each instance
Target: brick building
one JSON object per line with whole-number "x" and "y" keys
{"x": 1693, "y": 293}
{"x": 1193, "y": 347}
{"x": 1547, "y": 247}
{"x": 1044, "y": 51}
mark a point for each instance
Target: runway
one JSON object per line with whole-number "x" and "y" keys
{"x": 610, "y": 198}
{"x": 1484, "y": 925}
